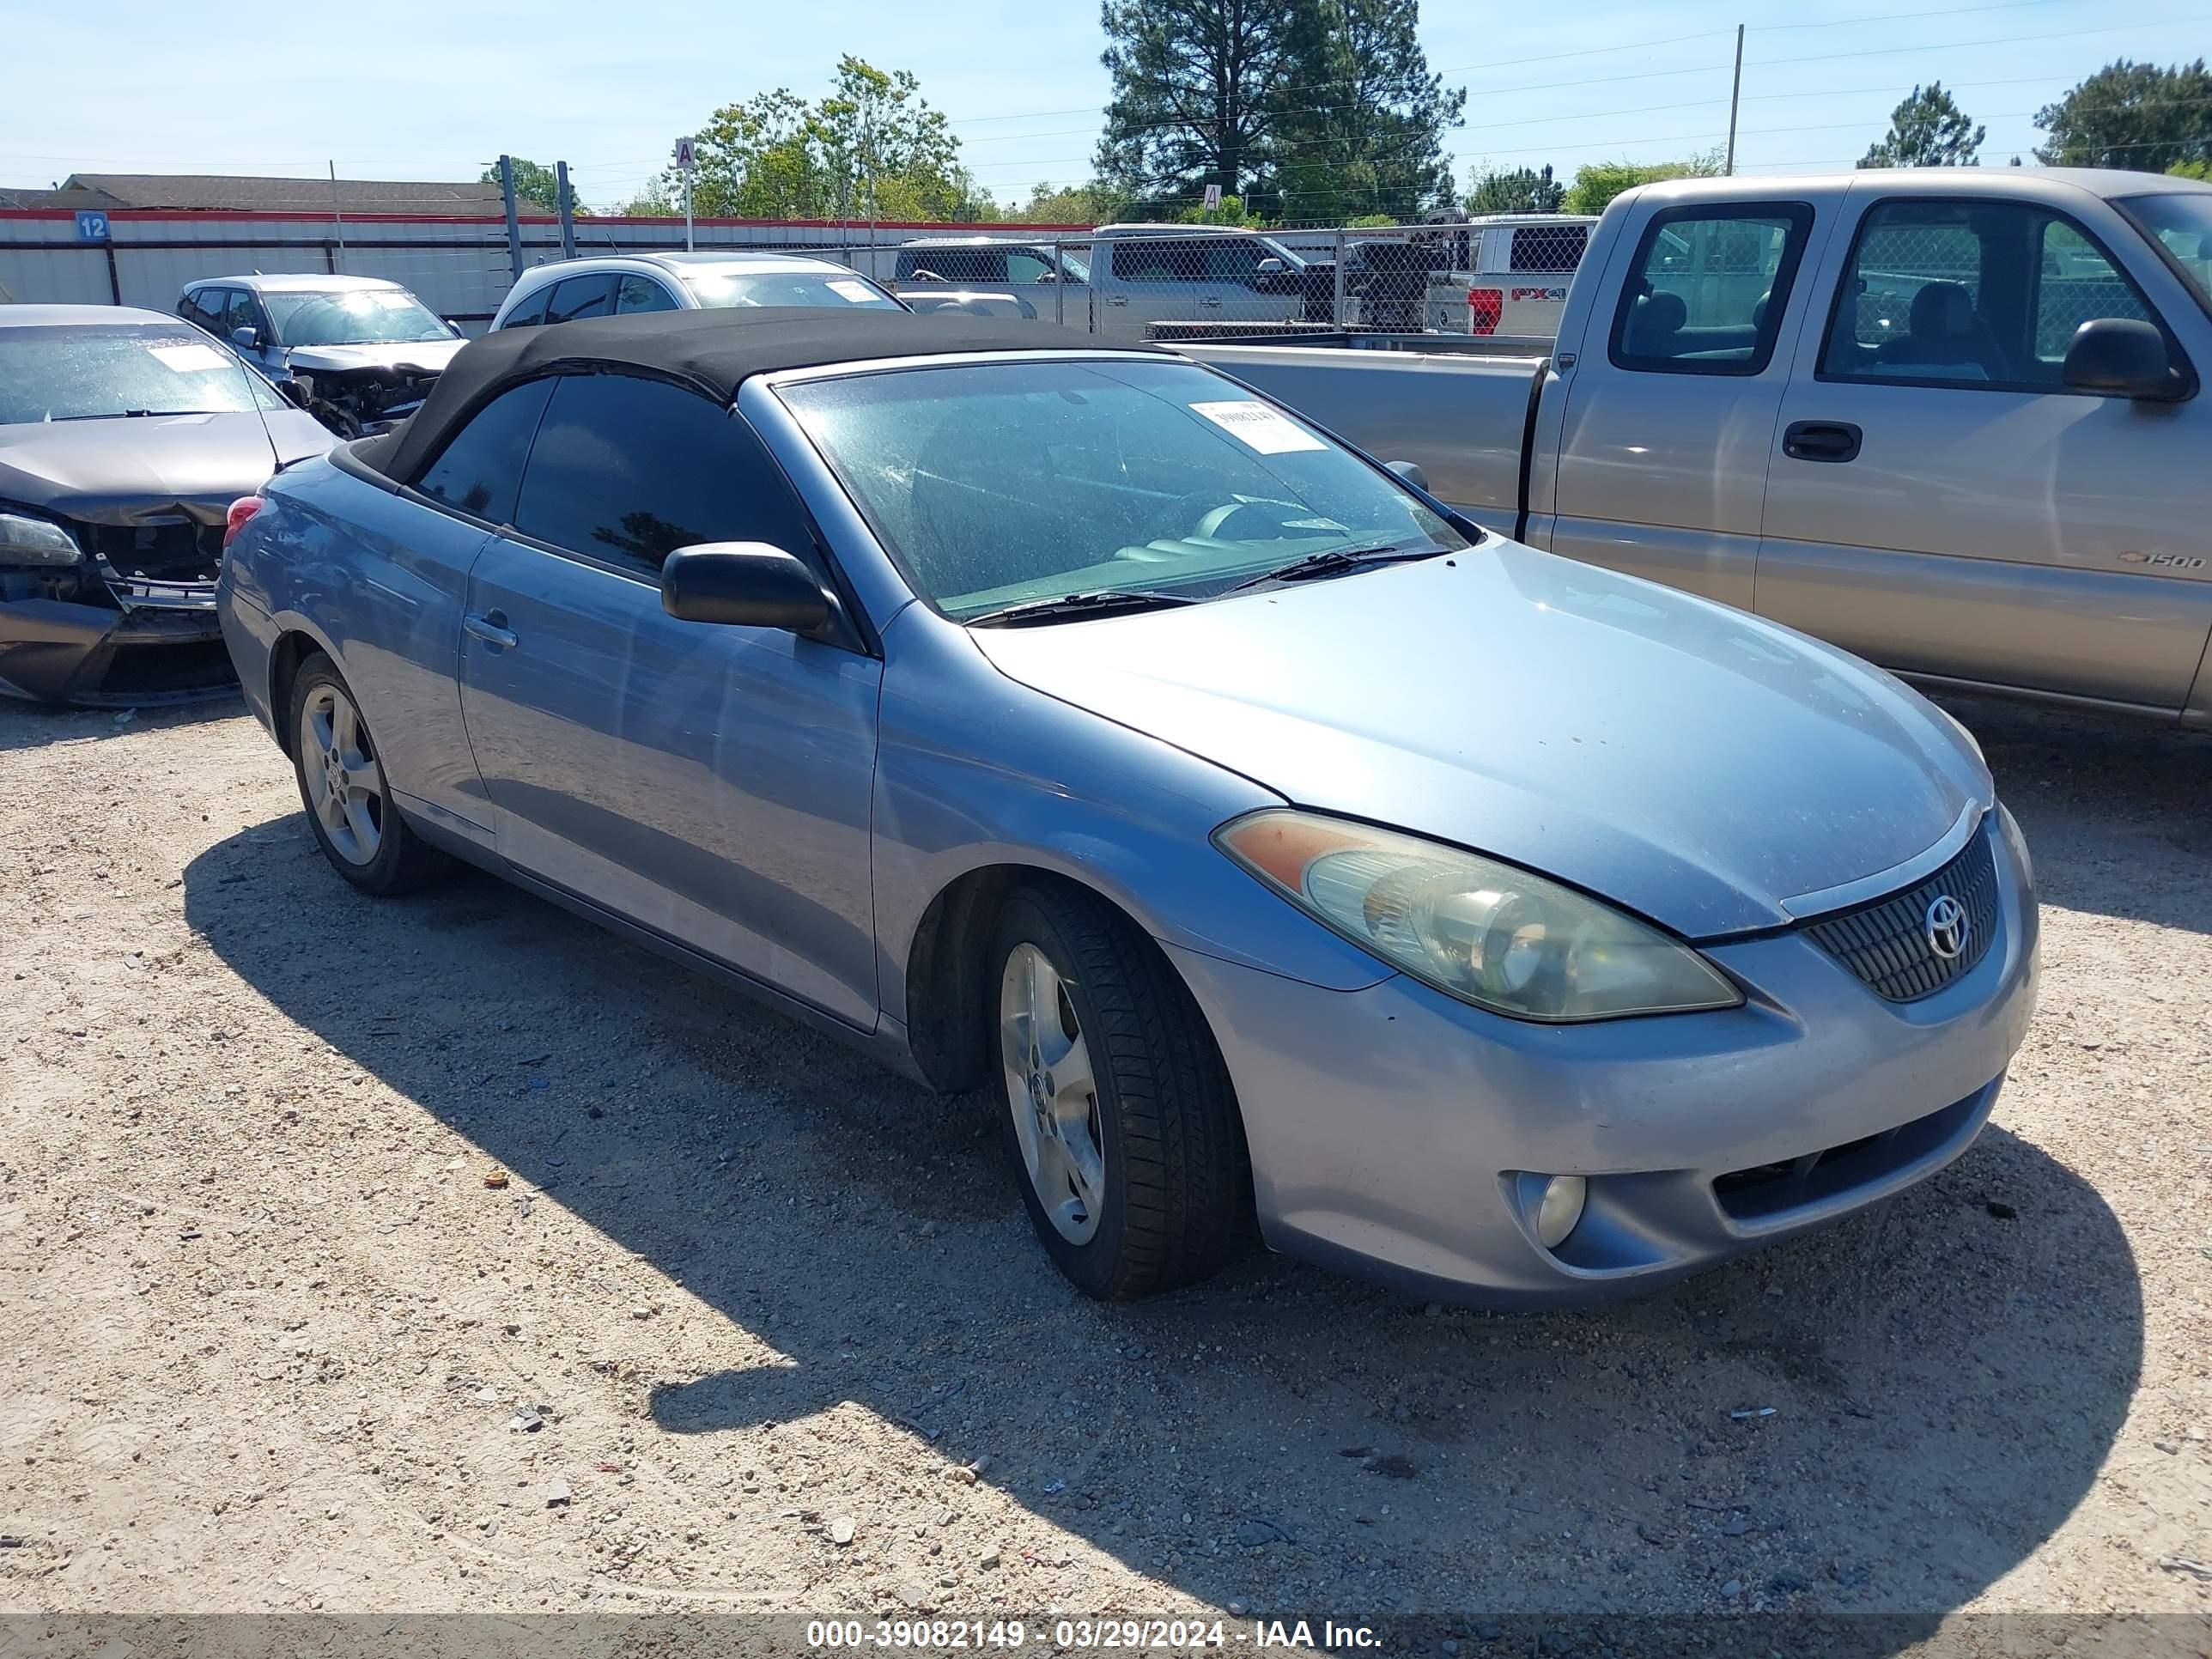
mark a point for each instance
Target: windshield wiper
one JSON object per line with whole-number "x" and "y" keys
{"x": 141, "y": 414}
{"x": 1336, "y": 562}
{"x": 1078, "y": 604}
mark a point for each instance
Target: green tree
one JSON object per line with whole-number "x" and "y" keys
{"x": 2131, "y": 115}
{"x": 2191, "y": 170}
{"x": 1524, "y": 189}
{"x": 1232, "y": 211}
{"x": 1597, "y": 183}
{"x": 1928, "y": 129}
{"x": 1094, "y": 203}
{"x": 653, "y": 202}
{"x": 873, "y": 145}
{"x": 1196, "y": 85}
{"x": 1357, "y": 126}
{"x": 535, "y": 185}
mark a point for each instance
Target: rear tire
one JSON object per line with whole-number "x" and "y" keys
{"x": 343, "y": 786}
{"x": 1116, "y": 1106}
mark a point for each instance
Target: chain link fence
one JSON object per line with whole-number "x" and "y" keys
{"x": 1500, "y": 280}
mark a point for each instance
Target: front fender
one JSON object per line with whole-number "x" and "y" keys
{"x": 976, "y": 771}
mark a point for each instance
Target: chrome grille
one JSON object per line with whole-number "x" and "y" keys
{"x": 1887, "y": 942}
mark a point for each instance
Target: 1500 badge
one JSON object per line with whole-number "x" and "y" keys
{"x": 2163, "y": 561}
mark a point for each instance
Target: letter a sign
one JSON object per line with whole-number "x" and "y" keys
{"x": 686, "y": 161}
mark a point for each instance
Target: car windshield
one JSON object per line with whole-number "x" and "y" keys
{"x": 2182, "y": 225}
{"x": 104, "y": 371}
{"x": 360, "y": 316}
{"x": 995, "y": 484}
{"x": 714, "y": 289}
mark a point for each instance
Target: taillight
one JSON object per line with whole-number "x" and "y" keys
{"x": 1485, "y": 306}
{"x": 240, "y": 510}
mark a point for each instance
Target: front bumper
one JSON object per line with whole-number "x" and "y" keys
{"x": 1389, "y": 1127}
{"x": 166, "y": 648}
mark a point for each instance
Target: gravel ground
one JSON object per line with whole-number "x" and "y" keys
{"x": 446, "y": 1253}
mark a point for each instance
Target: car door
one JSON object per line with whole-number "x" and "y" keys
{"x": 242, "y": 310}
{"x": 1231, "y": 289}
{"x": 708, "y": 783}
{"x": 402, "y": 655}
{"x": 1941, "y": 503}
{"x": 1669, "y": 414}
{"x": 1155, "y": 280}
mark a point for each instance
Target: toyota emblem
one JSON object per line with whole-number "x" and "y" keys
{"x": 1945, "y": 925}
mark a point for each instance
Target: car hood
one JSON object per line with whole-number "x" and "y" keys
{"x": 1695, "y": 764}
{"x": 115, "y": 471}
{"x": 430, "y": 354}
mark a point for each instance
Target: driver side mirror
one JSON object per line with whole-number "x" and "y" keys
{"x": 295, "y": 393}
{"x": 1269, "y": 266}
{"x": 245, "y": 339}
{"x": 2122, "y": 358}
{"x": 1411, "y": 473}
{"x": 744, "y": 585}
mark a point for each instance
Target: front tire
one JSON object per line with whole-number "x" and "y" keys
{"x": 343, "y": 786}
{"x": 1117, "y": 1108}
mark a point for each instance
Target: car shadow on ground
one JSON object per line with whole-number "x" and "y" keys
{"x": 1945, "y": 1374}
{"x": 26, "y": 724}
{"x": 2113, "y": 808}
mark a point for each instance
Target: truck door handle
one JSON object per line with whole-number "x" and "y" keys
{"x": 1117, "y": 299}
{"x": 1211, "y": 305}
{"x": 491, "y": 627}
{"x": 1822, "y": 441}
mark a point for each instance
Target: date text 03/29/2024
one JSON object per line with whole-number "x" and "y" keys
{"x": 1066, "y": 1634}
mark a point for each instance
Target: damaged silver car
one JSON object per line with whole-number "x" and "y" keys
{"x": 359, "y": 352}
{"x": 124, "y": 438}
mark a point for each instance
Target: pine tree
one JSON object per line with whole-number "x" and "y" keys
{"x": 1928, "y": 129}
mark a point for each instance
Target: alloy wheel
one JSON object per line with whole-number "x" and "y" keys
{"x": 345, "y": 784}
{"x": 1053, "y": 1093}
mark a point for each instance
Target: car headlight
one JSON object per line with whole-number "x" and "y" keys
{"x": 1486, "y": 932}
{"x": 25, "y": 540}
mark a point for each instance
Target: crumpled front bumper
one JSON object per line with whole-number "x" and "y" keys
{"x": 167, "y": 648}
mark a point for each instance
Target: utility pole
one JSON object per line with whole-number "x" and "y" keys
{"x": 868, "y": 161}
{"x": 567, "y": 209}
{"x": 1736, "y": 100}
{"x": 337, "y": 219}
{"x": 514, "y": 222}
{"x": 687, "y": 162}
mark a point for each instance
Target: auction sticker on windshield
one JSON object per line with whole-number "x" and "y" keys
{"x": 1259, "y": 427}
{"x": 859, "y": 293}
{"x": 188, "y": 358}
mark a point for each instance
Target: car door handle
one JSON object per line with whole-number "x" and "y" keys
{"x": 1117, "y": 299}
{"x": 1211, "y": 305}
{"x": 1822, "y": 441}
{"x": 491, "y": 627}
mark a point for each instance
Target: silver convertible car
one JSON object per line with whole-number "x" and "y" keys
{"x": 1075, "y": 724}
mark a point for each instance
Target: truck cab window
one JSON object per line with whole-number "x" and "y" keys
{"x": 1975, "y": 294}
{"x": 1708, "y": 289}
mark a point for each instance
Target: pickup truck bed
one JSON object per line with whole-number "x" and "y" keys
{"x": 1463, "y": 419}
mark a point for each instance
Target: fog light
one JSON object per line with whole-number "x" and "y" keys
{"x": 1559, "y": 1210}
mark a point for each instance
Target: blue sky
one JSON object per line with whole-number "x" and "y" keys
{"x": 399, "y": 89}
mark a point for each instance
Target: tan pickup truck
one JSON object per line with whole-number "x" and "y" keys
{"x": 1952, "y": 419}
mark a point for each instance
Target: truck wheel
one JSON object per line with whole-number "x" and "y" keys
{"x": 1118, "y": 1112}
{"x": 343, "y": 786}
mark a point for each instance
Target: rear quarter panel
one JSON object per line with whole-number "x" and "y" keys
{"x": 377, "y": 580}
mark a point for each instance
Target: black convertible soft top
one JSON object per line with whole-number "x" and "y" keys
{"x": 715, "y": 351}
